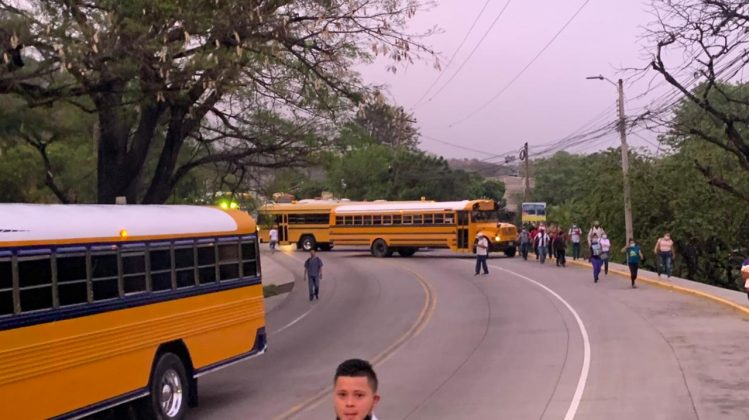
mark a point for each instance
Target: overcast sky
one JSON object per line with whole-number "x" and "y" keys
{"x": 550, "y": 100}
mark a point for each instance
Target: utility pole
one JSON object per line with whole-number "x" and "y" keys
{"x": 524, "y": 156}
{"x": 625, "y": 165}
{"x": 625, "y": 156}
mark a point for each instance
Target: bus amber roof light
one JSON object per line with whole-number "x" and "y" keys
{"x": 123, "y": 234}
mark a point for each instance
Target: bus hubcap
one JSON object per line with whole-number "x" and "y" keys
{"x": 171, "y": 393}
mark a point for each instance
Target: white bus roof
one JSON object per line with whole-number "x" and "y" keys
{"x": 405, "y": 206}
{"x": 59, "y": 223}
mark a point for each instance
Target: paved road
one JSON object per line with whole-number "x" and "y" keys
{"x": 525, "y": 342}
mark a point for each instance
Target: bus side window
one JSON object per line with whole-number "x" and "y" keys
{"x": 339, "y": 220}
{"x": 376, "y": 220}
{"x": 228, "y": 260}
{"x": 71, "y": 279}
{"x": 104, "y": 273}
{"x": 134, "y": 272}
{"x": 161, "y": 269}
{"x": 249, "y": 256}
{"x": 206, "y": 264}
{"x": 6, "y": 287}
{"x": 439, "y": 219}
{"x": 35, "y": 283}
{"x": 184, "y": 266}
{"x": 396, "y": 219}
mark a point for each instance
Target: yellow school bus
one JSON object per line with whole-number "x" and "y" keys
{"x": 102, "y": 305}
{"x": 304, "y": 223}
{"x": 404, "y": 227}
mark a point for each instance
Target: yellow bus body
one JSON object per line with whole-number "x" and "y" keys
{"x": 302, "y": 223}
{"x": 82, "y": 363}
{"x": 405, "y": 226}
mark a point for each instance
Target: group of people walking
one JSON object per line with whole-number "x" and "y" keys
{"x": 554, "y": 242}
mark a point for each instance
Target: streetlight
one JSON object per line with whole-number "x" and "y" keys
{"x": 625, "y": 156}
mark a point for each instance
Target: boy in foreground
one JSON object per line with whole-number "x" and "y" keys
{"x": 355, "y": 391}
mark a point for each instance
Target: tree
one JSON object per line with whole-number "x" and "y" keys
{"x": 711, "y": 35}
{"x": 487, "y": 188}
{"x": 388, "y": 124}
{"x": 190, "y": 83}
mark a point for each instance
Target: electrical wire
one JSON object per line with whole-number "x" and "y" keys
{"x": 526, "y": 67}
{"x": 455, "y": 53}
{"x": 473, "y": 51}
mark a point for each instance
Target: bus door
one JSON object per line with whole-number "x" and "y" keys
{"x": 463, "y": 240}
{"x": 282, "y": 220}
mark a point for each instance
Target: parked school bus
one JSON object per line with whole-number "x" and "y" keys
{"x": 304, "y": 223}
{"x": 403, "y": 227}
{"x": 103, "y": 305}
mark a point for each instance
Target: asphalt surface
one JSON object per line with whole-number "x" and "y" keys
{"x": 525, "y": 342}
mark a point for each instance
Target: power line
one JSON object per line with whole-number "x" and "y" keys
{"x": 517, "y": 76}
{"x": 457, "y": 146}
{"x": 496, "y": 19}
{"x": 455, "y": 53}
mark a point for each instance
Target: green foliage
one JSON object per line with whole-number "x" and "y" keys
{"x": 709, "y": 225}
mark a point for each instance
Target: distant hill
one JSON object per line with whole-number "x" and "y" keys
{"x": 485, "y": 169}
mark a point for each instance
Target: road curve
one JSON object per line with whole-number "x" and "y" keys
{"x": 448, "y": 344}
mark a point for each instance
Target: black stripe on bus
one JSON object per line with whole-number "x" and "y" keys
{"x": 333, "y": 234}
{"x": 51, "y": 315}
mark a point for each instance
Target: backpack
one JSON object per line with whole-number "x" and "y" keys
{"x": 596, "y": 249}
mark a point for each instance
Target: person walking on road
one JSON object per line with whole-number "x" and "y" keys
{"x": 482, "y": 253}
{"x": 273, "y": 239}
{"x": 560, "y": 247}
{"x": 605, "y": 252}
{"x": 634, "y": 257}
{"x": 313, "y": 273}
{"x": 542, "y": 244}
{"x": 525, "y": 243}
{"x": 576, "y": 235}
{"x": 595, "y": 257}
{"x": 355, "y": 390}
{"x": 534, "y": 233}
{"x": 664, "y": 250}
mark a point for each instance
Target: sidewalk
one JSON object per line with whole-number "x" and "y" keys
{"x": 273, "y": 273}
{"x": 735, "y": 299}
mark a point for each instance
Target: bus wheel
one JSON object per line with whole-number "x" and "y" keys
{"x": 308, "y": 243}
{"x": 511, "y": 252}
{"x": 380, "y": 248}
{"x": 169, "y": 389}
{"x": 406, "y": 252}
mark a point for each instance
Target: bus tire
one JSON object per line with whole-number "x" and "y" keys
{"x": 308, "y": 243}
{"x": 406, "y": 252}
{"x": 380, "y": 248}
{"x": 511, "y": 252}
{"x": 169, "y": 389}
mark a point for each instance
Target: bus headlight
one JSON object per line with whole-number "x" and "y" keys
{"x": 496, "y": 238}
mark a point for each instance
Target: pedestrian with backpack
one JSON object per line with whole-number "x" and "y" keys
{"x": 595, "y": 256}
{"x": 525, "y": 243}
{"x": 634, "y": 257}
{"x": 605, "y": 252}
{"x": 576, "y": 235}
{"x": 542, "y": 244}
{"x": 560, "y": 247}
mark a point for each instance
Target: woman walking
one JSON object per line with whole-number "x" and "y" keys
{"x": 634, "y": 257}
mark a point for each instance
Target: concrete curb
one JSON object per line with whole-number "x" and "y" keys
{"x": 671, "y": 286}
{"x": 273, "y": 273}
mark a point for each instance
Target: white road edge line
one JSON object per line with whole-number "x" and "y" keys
{"x": 299, "y": 318}
{"x": 572, "y": 410}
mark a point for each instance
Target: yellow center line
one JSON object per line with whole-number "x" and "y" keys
{"x": 425, "y": 315}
